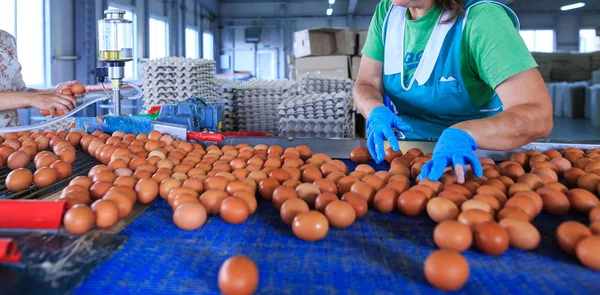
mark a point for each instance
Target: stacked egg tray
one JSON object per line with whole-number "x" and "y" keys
{"x": 256, "y": 101}
{"x": 225, "y": 94}
{"x": 63, "y": 125}
{"x": 174, "y": 79}
{"x": 317, "y": 115}
{"x": 82, "y": 165}
{"x": 311, "y": 83}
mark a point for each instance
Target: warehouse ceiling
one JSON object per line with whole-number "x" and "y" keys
{"x": 517, "y": 5}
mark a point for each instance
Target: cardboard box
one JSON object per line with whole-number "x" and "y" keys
{"x": 362, "y": 39}
{"x": 345, "y": 42}
{"x": 320, "y": 42}
{"x": 355, "y": 67}
{"x": 337, "y": 66}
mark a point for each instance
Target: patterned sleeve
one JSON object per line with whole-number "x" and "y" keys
{"x": 10, "y": 68}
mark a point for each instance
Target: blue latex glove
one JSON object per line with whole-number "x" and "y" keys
{"x": 379, "y": 125}
{"x": 454, "y": 148}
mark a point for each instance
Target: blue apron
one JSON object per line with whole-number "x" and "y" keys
{"x": 436, "y": 97}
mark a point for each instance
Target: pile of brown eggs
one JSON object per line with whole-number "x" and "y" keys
{"x": 496, "y": 211}
{"x": 20, "y": 149}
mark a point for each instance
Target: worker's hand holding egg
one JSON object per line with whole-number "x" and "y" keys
{"x": 379, "y": 126}
{"x": 454, "y": 149}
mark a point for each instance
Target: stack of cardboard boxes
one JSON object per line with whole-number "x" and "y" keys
{"x": 327, "y": 52}
{"x": 567, "y": 67}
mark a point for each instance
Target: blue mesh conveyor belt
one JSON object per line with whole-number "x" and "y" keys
{"x": 379, "y": 254}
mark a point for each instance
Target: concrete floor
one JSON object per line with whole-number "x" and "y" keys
{"x": 574, "y": 129}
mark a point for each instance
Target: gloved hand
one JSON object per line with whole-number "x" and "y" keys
{"x": 454, "y": 148}
{"x": 380, "y": 123}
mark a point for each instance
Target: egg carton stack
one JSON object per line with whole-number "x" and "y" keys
{"x": 256, "y": 101}
{"x": 174, "y": 79}
{"x": 225, "y": 92}
{"x": 62, "y": 125}
{"x": 318, "y": 115}
{"x": 321, "y": 84}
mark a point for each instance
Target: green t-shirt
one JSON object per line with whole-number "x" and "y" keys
{"x": 492, "y": 50}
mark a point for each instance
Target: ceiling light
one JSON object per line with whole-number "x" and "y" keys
{"x": 331, "y": 2}
{"x": 329, "y": 11}
{"x": 572, "y": 6}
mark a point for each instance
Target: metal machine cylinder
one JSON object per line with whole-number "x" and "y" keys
{"x": 115, "y": 37}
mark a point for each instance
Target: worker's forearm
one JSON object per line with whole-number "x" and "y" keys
{"x": 366, "y": 98}
{"x": 14, "y": 100}
{"x": 511, "y": 129}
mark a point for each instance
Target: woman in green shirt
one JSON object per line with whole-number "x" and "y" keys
{"x": 452, "y": 70}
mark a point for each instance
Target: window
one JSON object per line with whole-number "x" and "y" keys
{"x": 208, "y": 45}
{"x": 191, "y": 43}
{"x": 130, "y": 67}
{"x": 25, "y": 21}
{"x": 538, "y": 40}
{"x": 588, "y": 41}
{"x": 159, "y": 35}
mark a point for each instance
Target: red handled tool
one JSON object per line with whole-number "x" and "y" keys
{"x": 219, "y": 137}
{"x": 9, "y": 252}
{"x": 31, "y": 214}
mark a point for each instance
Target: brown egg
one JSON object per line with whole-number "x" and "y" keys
{"x": 399, "y": 187}
{"x": 594, "y": 214}
{"x": 282, "y": 194}
{"x": 561, "y": 164}
{"x": 493, "y": 202}
{"x": 520, "y": 158}
{"x": 323, "y": 200}
{"x": 238, "y": 276}
{"x": 106, "y": 213}
{"x": 311, "y": 174}
{"x": 266, "y": 188}
{"x": 365, "y": 190}
{"x": 358, "y": 202}
{"x": 147, "y": 190}
{"x": 412, "y": 202}
{"x": 340, "y": 214}
{"x": 249, "y": 198}
{"x": 44, "y": 177}
{"x": 99, "y": 189}
{"x": 555, "y": 202}
{"x": 582, "y": 200}
{"x": 473, "y": 217}
{"x": 385, "y": 200}
{"x": 453, "y": 235}
{"x": 572, "y": 175}
{"x": 569, "y": 234}
{"x": 587, "y": 252}
{"x": 63, "y": 169}
{"x": 189, "y": 216}
{"x": 345, "y": 184}
{"x": 518, "y": 187}
{"x": 514, "y": 171}
{"x": 523, "y": 235}
{"x": 547, "y": 174}
{"x": 595, "y": 228}
{"x": 365, "y": 168}
{"x": 491, "y": 238}
{"x": 589, "y": 182}
{"x": 18, "y": 159}
{"x": 19, "y": 179}
{"x": 447, "y": 270}
{"x": 532, "y": 180}
{"x": 212, "y": 199}
{"x": 79, "y": 219}
{"x": 291, "y": 208}
{"x": 441, "y": 209}
{"x": 127, "y": 191}
{"x": 455, "y": 197}
{"x": 437, "y": 186}
{"x": 492, "y": 191}
{"x": 514, "y": 213}
{"x": 472, "y": 186}
{"x": 429, "y": 192}
{"x": 325, "y": 185}
{"x": 335, "y": 176}
{"x": 216, "y": 183}
{"x": 105, "y": 175}
{"x": 523, "y": 202}
{"x": 83, "y": 181}
{"x": 459, "y": 189}
{"x": 390, "y": 155}
{"x": 374, "y": 181}
{"x": 310, "y": 226}
{"x": 234, "y": 210}
{"x": 557, "y": 186}
{"x": 308, "y": 192}
{"x": 400, "y": 170}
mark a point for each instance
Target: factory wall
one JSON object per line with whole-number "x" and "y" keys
{"x": 289, "y": 17}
